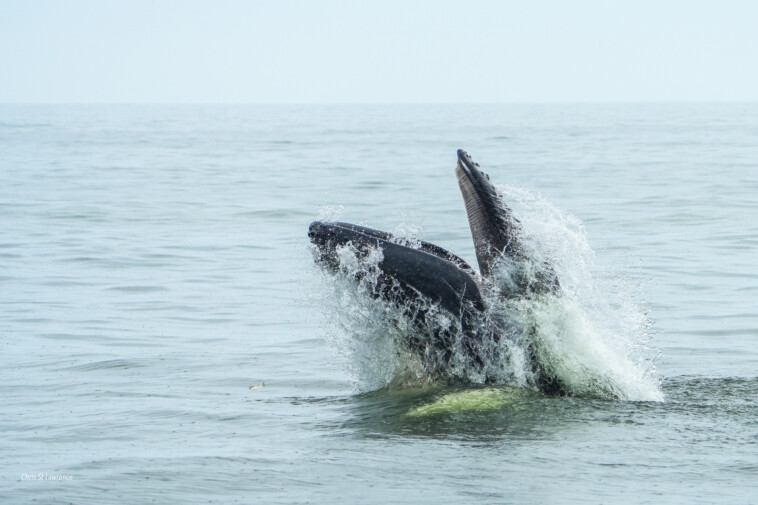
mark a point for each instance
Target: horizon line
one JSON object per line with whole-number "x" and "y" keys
{"x": 545, "y": 102}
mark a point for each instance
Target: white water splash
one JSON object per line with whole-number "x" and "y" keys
{"x": 330, "y": 213}
{"x": 408, "y": 234}
{"x": 592, "y": 334}
{"x": 385, "y": 344}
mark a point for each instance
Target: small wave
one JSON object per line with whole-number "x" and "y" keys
{"x": 64, "y": 282}
{"x": 5, "y": 124}
{"x": 137, "y": 289}
{"x": 78, "y": 216}
{"x": 104, "y": 365}
{"x": 749, "y": 331}
{"x": 273, "y": 213}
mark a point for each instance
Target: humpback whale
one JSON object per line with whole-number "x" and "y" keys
{"x": 423, "y": 280}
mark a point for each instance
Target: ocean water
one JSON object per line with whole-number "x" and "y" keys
{"x": 154, "y": 265}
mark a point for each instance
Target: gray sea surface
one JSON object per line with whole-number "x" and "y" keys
{"x": 154, "y": 265}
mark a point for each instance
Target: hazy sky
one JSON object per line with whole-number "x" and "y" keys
{"x": 377, "y": 51}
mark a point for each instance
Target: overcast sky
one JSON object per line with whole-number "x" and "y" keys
{"x": 377, "y": 51}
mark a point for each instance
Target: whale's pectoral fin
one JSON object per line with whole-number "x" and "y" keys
{"x": 419, "y": 279}
{"x": 420, "y": 245}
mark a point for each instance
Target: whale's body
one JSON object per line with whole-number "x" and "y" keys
{"x": 423, "y": 277}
